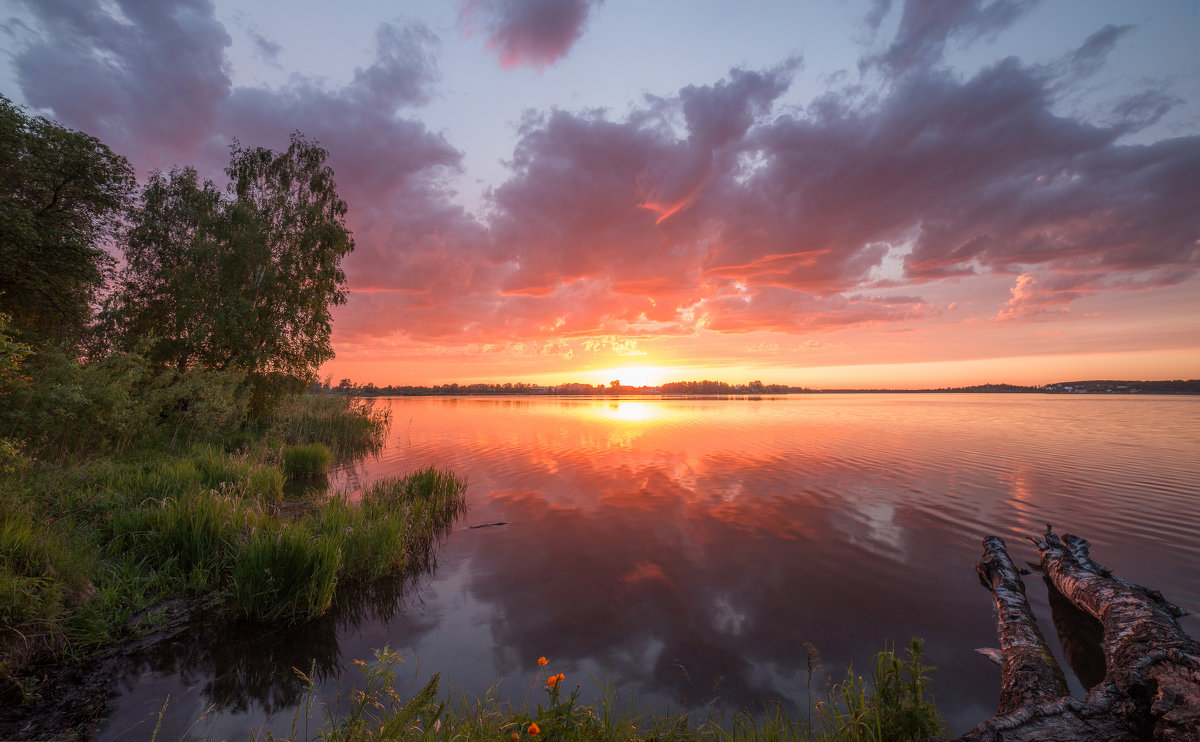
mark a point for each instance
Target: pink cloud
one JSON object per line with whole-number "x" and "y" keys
{"x": 1039, "y": 298}
{"x": 533, "y": 33}
{"x": 711, "y": 209}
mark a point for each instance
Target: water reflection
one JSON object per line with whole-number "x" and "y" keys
{"x": 1081, "y": 636}
{"x": 689, "y": 549}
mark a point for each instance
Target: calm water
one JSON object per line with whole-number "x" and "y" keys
{"x": 689, "y": 548}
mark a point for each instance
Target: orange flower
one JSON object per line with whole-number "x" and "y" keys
{"x": 533, "y": 729}
{"x": 516, "y": 736}
{"x": 554, "y": 680}
{"x": 542, "y": 661}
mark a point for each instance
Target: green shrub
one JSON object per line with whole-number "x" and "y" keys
{"x": 307, "y": 460}
{"x": 117, "y": 400}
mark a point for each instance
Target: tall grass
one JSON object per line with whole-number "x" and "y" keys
{"x": 347, "y": 425}
{"x": 281, "y": 569}
{"x": 124, "y": 485}
{"x": 193, "y": 537}
{"x": 286, "y": 573}
{"x": 307, "y": 460}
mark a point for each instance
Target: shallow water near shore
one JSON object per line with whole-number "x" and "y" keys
{"x": 689, "y": 549}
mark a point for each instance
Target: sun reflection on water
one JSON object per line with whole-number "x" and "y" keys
{"x": 631, "y": 411}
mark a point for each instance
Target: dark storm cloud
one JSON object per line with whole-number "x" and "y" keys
{"x": 533, "y": 33}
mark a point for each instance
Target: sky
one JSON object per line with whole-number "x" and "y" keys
{"x": 846, "y": 193}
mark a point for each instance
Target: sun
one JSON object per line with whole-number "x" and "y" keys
{"x": 634, "y": 375}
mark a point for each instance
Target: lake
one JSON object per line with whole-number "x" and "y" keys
{"x": 689, "y": 549}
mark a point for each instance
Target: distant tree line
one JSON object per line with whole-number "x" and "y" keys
{"x": 346, "y": 386}
{"x": 721, "y": 388}
{"x": 1177, "y": 386}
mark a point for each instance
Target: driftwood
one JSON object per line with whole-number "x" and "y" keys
{"x": 1150, "y": 689}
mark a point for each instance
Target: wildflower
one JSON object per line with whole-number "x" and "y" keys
{"x": 533, "y": 729}
{"x": 516, "y": 736}
{"x": 542, "y": 661}
{"x": 554, "y": 680}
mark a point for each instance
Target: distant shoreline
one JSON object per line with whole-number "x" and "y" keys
{"x": 717, "y": 388}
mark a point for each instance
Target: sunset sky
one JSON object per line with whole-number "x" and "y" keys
{"x": 837, "y": 193}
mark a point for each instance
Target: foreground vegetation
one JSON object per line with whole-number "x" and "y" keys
{"x": 88, "y": 543}
{"x": 890, "y": 704}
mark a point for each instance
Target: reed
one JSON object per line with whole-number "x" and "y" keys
{"x": 194, "y": 533}
{"x": 347, "y": 425}
{"x": 893, "y": 706}
{"x": 307, "y": 460}
{"x": 286, "y": 574}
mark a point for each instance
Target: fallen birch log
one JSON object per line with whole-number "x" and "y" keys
{"x": 1151, "y": 685}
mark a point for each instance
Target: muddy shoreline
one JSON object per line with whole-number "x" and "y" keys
{"x": 70, "y": 700}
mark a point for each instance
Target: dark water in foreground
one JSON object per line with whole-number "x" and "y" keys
{"x": 689, "y": 548}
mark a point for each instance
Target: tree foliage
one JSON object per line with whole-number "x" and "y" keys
{"x": 62, "y": 194}
{"x": 240, "y": 280}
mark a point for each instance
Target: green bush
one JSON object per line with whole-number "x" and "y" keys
{"x": 307, "y": 460}
{"x": 117, "y": 400}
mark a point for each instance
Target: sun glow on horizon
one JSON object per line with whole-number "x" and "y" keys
{"x": 632, "y": 375}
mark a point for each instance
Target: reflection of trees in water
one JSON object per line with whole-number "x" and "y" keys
{"x": 243, "y": 665}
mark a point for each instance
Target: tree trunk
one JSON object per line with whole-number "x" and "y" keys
{"x": 1151, "y": 685}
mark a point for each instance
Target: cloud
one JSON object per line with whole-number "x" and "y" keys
{"x": 1093, "y": 52}
{"x": 144, "y": 77}
{"x": 532, "y": 33}
{"x": 926, "y": 26}
{"x": 267, "y": 50}
{"x": 1031, "y": 298}
{"x": 712, "y": 209}
{"x": 703, "y": 212}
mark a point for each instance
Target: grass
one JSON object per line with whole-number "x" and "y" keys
{"x": 892, "y": 704}
{"x": 89, "y": 542}
{"x": 308, "y": 460}
{"x": 346, "y": 425}
{"x": 285, "y": 573}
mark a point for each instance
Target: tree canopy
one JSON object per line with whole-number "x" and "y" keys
{"x": 62, "y": 195}
{"x": 244, "y": 279}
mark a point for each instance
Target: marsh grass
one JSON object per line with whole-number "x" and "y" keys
{"x": 309, "y": 460}
{"x": 91, "y": 538}
{"x": 347, "y": 425}
{"x": 193, "y": 537}
{"x": 892, "y": 704}
{"x": 286, "y": 573}
{"x": 41, "y": 575}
